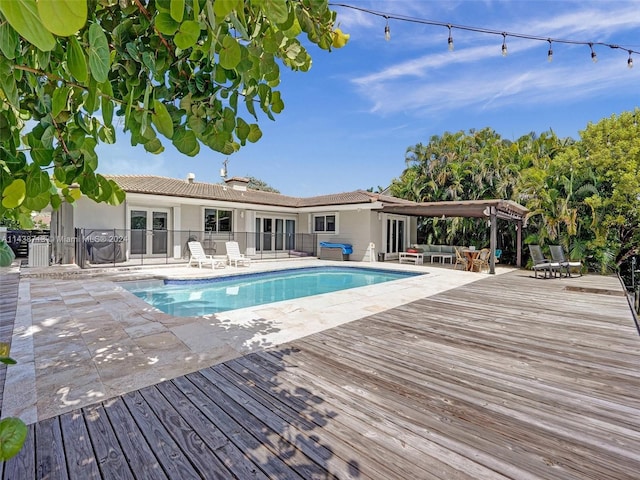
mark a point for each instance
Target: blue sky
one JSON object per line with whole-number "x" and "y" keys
{"x": 348, "y": 122}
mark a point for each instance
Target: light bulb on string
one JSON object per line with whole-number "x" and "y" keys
{"x": 504, "y": 49}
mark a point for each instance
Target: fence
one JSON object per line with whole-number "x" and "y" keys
{"x": 102, "y": 247}
{"x": 19, "y": 240}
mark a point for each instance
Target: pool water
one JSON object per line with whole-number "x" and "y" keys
{"x": 193, "y": 298}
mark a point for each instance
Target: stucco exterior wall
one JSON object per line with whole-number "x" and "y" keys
{"x": 355, "y": 227}
{"x": 191, "y": 217}
{"x": 89, "y": 214}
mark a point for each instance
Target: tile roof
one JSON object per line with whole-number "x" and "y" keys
{"x": 174, "y": 187}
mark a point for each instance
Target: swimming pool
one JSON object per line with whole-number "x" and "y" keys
{"x": 193, "y": 298}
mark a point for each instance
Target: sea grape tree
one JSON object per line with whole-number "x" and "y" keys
{"x": 196, "y": 73}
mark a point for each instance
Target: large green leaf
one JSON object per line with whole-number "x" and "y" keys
{"x": 47, "y": 137}
{"x": 276, "y": 10}
{"x": 117, "y": 194}
{"x": 22, "y": 15}
{"x": 177, "y": 10}
{"x": 59, "y": 100}
{"x": 37, "y": 182}
{"x": 154, "y": 146}
{"x": 187, "y": 35}
{"x": 186, "y": 142}
{"x": 13, "y": 433}
{"x": 242, "y": 130}
{"x": 76, "y": 60}
{"x": 99, "y": 61}
{"x": 105, "y": 189}
{"x": 37, "y": 203}
{"x": 277, "y": 105}
{"x": 63, "y": 17}
{"x": 8, "y": 83}
{"x": 8, "y": 40}
{"x": 14, "y": 194}
{"x": 255, "y": 133}
{"x": 41, "y": 155}
{"x": 222, "y": 8}
{"x": 14, "y": 163}
{"x": 231, "y": 53}
{"x": 88, "y": 150}
{"x": 165, "y": 24}
{"x": 89, "y": 184}
{"x": 161, "y": 119}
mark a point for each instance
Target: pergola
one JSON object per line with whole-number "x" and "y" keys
{"x": 491, "y": 210}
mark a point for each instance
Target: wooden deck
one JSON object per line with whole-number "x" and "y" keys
{"x": 507, "y": 377}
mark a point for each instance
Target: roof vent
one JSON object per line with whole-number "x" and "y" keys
{"x": 191, "y": 177}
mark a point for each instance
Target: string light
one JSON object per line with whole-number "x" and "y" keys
{"x": 594, "y": 57}
{"x": 450, "y": 26}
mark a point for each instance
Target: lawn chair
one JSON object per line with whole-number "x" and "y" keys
{"x": 198, "y": 256}
{"x": 482, "y": 260}
{"x": 234, "y": 256}
{"x": 460, "y": 259}
{"x": 542, "y": 263}
{"x": 557, "y": 254}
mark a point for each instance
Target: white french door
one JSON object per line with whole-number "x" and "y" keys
{"x": 149, "y": 231}
{"x": 275, "y": 234}
{"x": 395, "y": 235}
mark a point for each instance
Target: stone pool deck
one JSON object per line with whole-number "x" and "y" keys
{"x": 80, "y": 338}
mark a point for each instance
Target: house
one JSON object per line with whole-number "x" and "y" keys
{"x": 160, "y": 215}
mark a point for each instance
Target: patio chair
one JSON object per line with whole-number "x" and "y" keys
{"x": 557, "y": 254}
{"x": 481, "y": 262}
{"x": 542, "y": 263}
{"x": 198, "y": 256}
{"x": 460, "y": 259}
{"x": 234, "y": 256}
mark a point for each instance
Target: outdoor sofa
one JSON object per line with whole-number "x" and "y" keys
{"x": 428, "y": 250}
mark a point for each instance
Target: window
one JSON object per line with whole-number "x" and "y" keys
{"x": 217, "y": 220}
{"x": 324, "y": 223}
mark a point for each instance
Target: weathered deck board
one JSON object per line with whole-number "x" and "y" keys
{"x": 507, "y": 377}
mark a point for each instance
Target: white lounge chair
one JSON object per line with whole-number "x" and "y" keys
{"x": 198, "y": 256}
{"x": 234, "y": 256}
